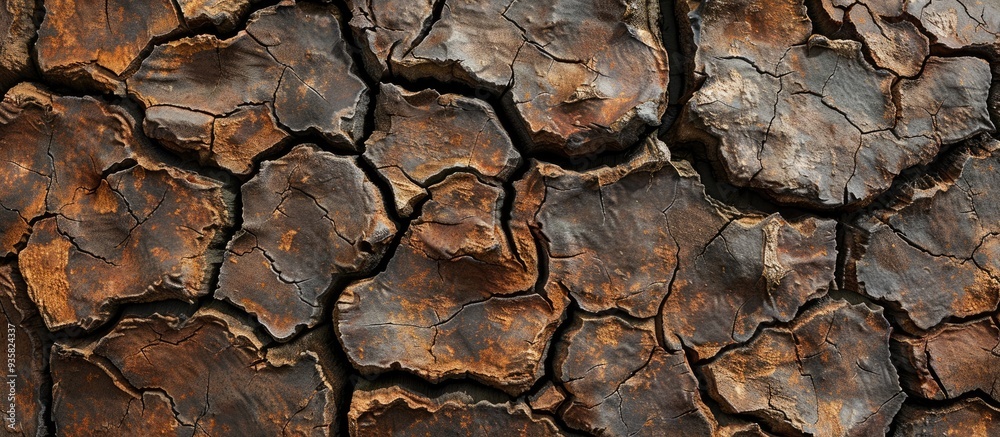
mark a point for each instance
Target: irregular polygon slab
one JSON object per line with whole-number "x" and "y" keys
{"x": 117, "y": 31}
{"x": 421, "y": 136}
{"x": 234, "y": 142}
{"x": 24, "y": 332}
{"x": 960, "y": 24}
{"x": 952, "y": 360}
{"x": 17, "y": 30}
{"x": 224, "y": 15}
{"x": 290, "y": 69}
{"x": 140, "y": 236}
{"x": 205, "y": 375}
{"x": 581, "y": 77}
{"x": 809, "y": 121}
{"x": 399, "y": 411}
{"x": 626, "y": 237}
{"x": 591, "y": 76}
{"x": 310, "y": 219}
{"x": 828, "y": 373}
{"x": 110, "y": 226}
{"x": 457, "y": 298}
{"x": 619, "y": 382}
{"x": 969, "y": 417}
{"x": 754, "y": 271}
{"x": 934, "y": 256}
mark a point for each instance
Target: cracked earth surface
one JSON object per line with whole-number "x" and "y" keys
{"x": 486, "y": 218}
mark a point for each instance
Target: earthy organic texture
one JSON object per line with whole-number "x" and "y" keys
{"x": 952, "y": 361}
{"x": 732, "y": 218}
{"x": 26, "y": 331}
{"x": 222, "y": 381}
{"x": 826, "y": 374}
{"x": 581, "y": 76}
{"x": 310, "y": 219}
{"x": 212, "y": 96}
{"x": 16, "y": 33}
{"x": 934, "y": 256}
{"x": 105, "y": 228}
{"x": 620, "y": 382}
{"x": 420, "y": 137}
{"x": 458, "y": 297}
{"x": 806, "y": 119}
{"x": 969, "y": 417}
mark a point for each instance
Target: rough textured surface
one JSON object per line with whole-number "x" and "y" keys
{"x": 403, "y": 412}
{"x": 620, "y": 382}
{"x": 17, "y": 30}
{"x": 221, "y": 380}
{"x": 970, "y": 417}
{"x": 828, "y": 373}
{"x": 457, "y": 298}
{"x": 107, "y": 229}
{"x": 472, "y": 217}
{"x": 117, "y": 31}
{"x": 421, "y": 136}
{"x": 933, "y": 255}
{"x": 807, "y": 119}
{"x": 310, "y": 219}
{"x": 626, "y": 238}
{"x": 224, "y": 15}
{"x": 952, "y": 360}
{"x": 24, "y": 368}
{"x": 304, "y": 77}
{"x": 561, "y": 65}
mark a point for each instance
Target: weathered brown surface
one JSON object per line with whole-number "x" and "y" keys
{"x": 934, "y": 257}
{"x": 620, "y": 382}
{"x": 16, "y": 33}
{"x": 457, "y": 298}
{"x": 310, "y": 219}
{"x": 828, "y": 373}
{"x": 400, "y": 411}
{"x": 807, "y": 119}
{"x": 421, "y": 136}
{"x": 116, "y": 32}
{"x": 626, "y": 238}
{"x": 565, "y": 86}
{"x": 472, "y": 217}
{"x": 24, "y": 366}
{"x": 970, "y": 417}
{"x": 288, "y": 71}
{"x": 108, "y": 227}
{"x": 952, "y": 360}
{"x": 223, "y": 15}
{"x": 219, "y": 379}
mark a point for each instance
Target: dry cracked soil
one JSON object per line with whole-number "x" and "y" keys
{"x": 500, "y": 217}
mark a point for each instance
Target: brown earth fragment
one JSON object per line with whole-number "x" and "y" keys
{"x": 289, "y": 71}
{"x": 310, "y": 220}
{"x": 399, "y": 411}
{"x": 24, "y": 366}
{"x": 17, "y": 31}
{"x": 628, "y": 237}
{"x": 620, "y": 382}
{"x": 420, "y": 136}
{"x": 560, "y": 66}
{"x": 969, "y": 417}
{"x": 109, "y": 226}
{"x": 116, "y": 33}
{"x": 806, "y": 119}
{"x": 933, "y": 256}
{"x": 457, "y": 299}
{"x": 952, "y": 360}
{"x": 221, "y": 380}
{"x": 828, "y": 373}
